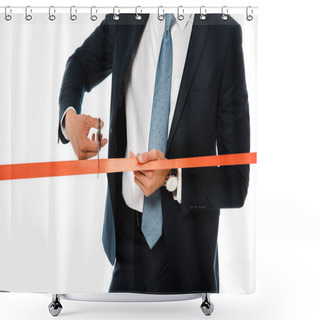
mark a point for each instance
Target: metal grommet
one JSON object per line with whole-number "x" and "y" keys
{"x": 73, "y": 12}
{"x": 93, "y": 17}
{"x": 28, "y": 16}
{"x": 203, "y": 13}
{"x": 160, "y": 16}
{"x": 180, "y": 15}
{"x": 249, "y": 16}
{"x": 224, "y": 13}
{"x": 116, "y": 15}
{"x": 51, "y": 15}
{"x": 138, "y": 17}
{"x": 7, "y": 16}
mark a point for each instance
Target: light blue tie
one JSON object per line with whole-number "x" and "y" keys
{"x": 152, "y": 211}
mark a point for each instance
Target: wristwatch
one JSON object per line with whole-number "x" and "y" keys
{"x": 171, "y": 182}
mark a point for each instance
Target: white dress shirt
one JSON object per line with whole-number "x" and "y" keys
{"x": 139, "y": 90}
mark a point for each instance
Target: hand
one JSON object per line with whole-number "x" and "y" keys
{"x": 77, "y": 128}
{"x": 150, "y": 180}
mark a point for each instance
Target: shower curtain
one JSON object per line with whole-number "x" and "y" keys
{"x": 59, "y": 224}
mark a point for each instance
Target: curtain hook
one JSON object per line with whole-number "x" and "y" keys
{"x": 160, "y": 16}
{"x": 138, "y": 16}
{"x": 73, "y": 12}
{"x": 52, "y": 10}
{"x": 249, "y": 16}
{"x": 180, "y": 15}
{"x": 7, "y": 16}
{"x": 116, "y": 15}
{"x": 203, "y": 13}
{"x": 224, "y": 13}
{"x": 28, "y": 16}
{"x": 93, "y": 17}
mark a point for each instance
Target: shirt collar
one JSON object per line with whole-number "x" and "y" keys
{"x": 181, "y": 23}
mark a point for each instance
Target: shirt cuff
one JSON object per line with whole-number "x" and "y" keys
{"x": 177, "y": 193}
{"x": 62, "y": 122}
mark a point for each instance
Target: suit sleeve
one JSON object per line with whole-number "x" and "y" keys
{"x": 225, "y": 186}
{"x": 87, "y": 67}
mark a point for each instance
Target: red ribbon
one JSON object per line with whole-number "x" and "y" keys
{"x": 78, "y": 167}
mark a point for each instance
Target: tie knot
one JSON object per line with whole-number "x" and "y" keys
{"x": 170, "y": 19}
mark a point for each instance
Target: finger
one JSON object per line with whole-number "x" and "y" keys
{"x": 141, "y": 172}
{"x": 140, "y": 176}
{"x": 86, "y": 155}
{"x": 154, "y": 154}
{"x": 103, "y": 142}
{"x": 93, "y": 122}
{"x": 101, "y": 137}
{"x": 91, "y": 154}
{"x": 144, "y": 181}
{"x": 141, "y": 186}
{"x": 144, "y": 157}
{"x": 93, "y": 137}
{"x": 88, "y": 146}
{"x": 147, "y": 173}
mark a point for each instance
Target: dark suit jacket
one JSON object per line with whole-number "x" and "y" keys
{"x": 211, "y": 115}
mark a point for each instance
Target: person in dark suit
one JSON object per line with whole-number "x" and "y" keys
{"x": 210, "y": 117}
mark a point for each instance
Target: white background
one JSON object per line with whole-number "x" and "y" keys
{"x": 288, "y": 181}
{"x": 50, "y": 228}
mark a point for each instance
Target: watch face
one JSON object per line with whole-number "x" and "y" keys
{"x": 172, "y": 183}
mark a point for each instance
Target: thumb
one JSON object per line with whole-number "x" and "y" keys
{"x": 94, "y": 122}
{"x": 146, "y": 156}
{"x": 154, "y": 154}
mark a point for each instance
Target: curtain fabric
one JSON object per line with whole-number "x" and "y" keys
{"x": 51, "y": 228}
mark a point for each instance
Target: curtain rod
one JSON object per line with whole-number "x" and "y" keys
{"x": 131, "y": 7}
{"x": 128, "y": 9}
{"x": 8, "y": 11}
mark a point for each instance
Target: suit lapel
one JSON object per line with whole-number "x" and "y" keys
{"x": 128, "y": 35}
{"x": 128, "y": 39}
{"x": 197, "y": 40}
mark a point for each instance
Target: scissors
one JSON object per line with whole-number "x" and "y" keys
{"x": 99, "y": 143}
